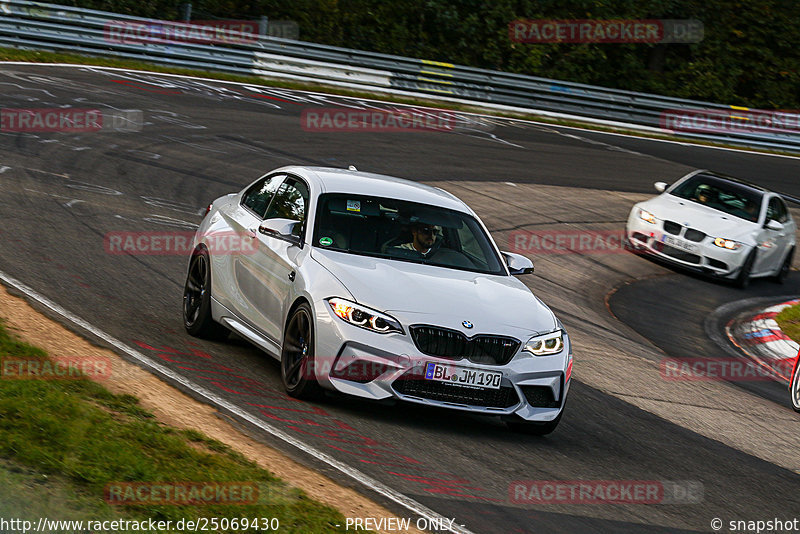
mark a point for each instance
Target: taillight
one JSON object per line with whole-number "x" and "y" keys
{"x": 208, "y": 209}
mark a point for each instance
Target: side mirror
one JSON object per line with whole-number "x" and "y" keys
{"x": 517, "y": 263}
{"x": 661, "y": 186}
{"x": 280, "y": 229}
{"x": 774, "y": 225}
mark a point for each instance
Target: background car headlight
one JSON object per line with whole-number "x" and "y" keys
{"x": 551, "y": 343}
{"x": 727, "y": 243}
{"x": 363, "y": 317}
{"x": 647, "y": 216}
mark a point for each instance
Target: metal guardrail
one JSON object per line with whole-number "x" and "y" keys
{"x": 35, "y": 25}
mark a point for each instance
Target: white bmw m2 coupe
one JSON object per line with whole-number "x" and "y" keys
{"x": 380, "y": 288}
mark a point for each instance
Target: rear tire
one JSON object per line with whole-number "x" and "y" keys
{"x": 780, "y": 276}
{"x": 297, "y": 355}
{"x": 743, "y": 279}
{"x": 197, "y": 317}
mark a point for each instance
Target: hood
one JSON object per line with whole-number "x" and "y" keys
{"x": 416, "y": 293}
{"x": 687, "y": 213}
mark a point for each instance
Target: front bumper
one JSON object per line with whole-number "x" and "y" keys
{"x": 357, "y": 362}
{"x": 702, "y": 256}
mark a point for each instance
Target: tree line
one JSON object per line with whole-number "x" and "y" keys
{"x": 749, "y": 54}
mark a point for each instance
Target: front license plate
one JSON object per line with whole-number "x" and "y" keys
{"x": 679, "y": 243}
{"x": 463, "y": 376}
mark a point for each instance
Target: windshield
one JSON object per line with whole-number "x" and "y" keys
{"x": 404, "y": 231}
{"x": 729, "y": 197}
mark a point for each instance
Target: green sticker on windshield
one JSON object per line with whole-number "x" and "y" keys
{"x": 325, "y": 241}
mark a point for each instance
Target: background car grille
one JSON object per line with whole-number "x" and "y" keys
{"x": 453, "y": 345}
{"x": 672, "y": 227}
{"x": 676, "y": 253}
{"x": 694, "y": 235}
{"x": 413, "y": 385}
{"x": 675, "y": 229}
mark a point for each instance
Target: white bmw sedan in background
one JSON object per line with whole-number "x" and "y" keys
{"x": 381, "y": 288}
{"x": 718, "y": 225}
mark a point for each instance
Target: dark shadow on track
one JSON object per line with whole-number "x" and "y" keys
{"x": 671, "y": 310}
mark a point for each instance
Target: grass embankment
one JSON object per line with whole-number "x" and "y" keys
{"x": 789, "y": 321}
{"x": 63, "y": 441}
{"x": 42, "y": 56}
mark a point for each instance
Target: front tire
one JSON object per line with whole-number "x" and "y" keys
{"x": 743, "y": 280}
{"x": 197, "y": 317}
{"x": 780, "y": 276}
{"x": 297, "y": 355}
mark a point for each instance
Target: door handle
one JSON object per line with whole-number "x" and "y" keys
{"x": 251, "y": 233}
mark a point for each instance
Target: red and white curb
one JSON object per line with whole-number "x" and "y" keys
{"x": 760, "y": 337}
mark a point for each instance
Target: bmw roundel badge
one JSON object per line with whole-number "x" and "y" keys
{"x": 466, "y": 324}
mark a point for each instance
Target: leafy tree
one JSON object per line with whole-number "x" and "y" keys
{"x": 750, "y": 53}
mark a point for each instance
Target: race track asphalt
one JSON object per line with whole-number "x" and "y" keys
{"x": 61, "y": 194}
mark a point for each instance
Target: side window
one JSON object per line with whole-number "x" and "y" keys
{"x": 290, "y": 202}
{"x": 257, "y": 198}
{"x": 777, "y": 210}
{"x": 468, "y": 242}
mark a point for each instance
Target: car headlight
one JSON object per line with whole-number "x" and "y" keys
{"x": 363, "y": 317}
{"x": 551, "y": 343}
{"x": 647, "y": 216}
{"x": 729, "y": 244}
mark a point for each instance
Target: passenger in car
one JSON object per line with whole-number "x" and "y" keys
{"x": 751, "y": 209}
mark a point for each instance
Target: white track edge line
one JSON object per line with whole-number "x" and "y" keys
{"x": 422, "y": 95}
{"x": 353, "y": 473}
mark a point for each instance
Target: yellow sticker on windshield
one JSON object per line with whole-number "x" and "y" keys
{"x": 353, "y": 205}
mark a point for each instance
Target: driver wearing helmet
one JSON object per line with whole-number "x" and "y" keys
{"x": 703, "y": 194}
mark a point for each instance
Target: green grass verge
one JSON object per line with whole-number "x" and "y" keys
{"x": 63, "y": 441}
{"x": 789, "y": 321}
{"x": 41, "y": 56}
